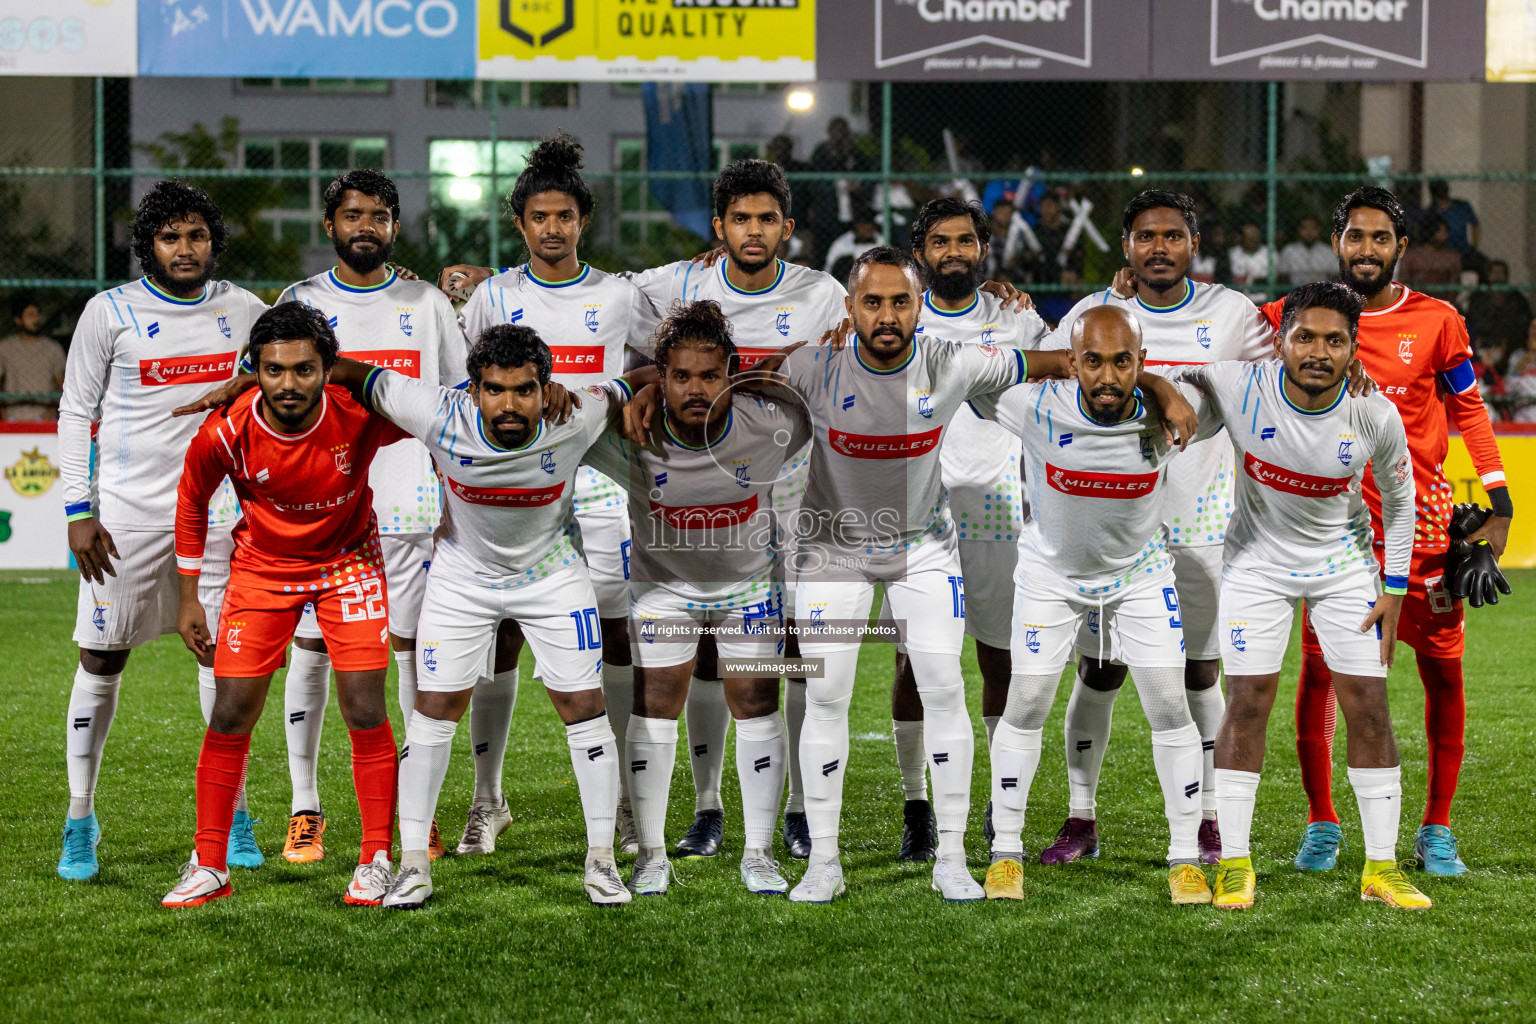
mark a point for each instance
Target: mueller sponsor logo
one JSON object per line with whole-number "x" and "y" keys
{"x": 1308, "y": 34}
{"x": 401, "y": 360}
{"x": 1100, "y": 485}
{"x": 187, "y": 370}
{"x": 509, "y": 497}
{"x": 883, "y": 446}
{"x": 1291, "y": 482}
{"x": 577, "y": 358}
{"x": 750, "y": 357}
{"x": 705, "y": 517}
{"x": 316, "y": 506}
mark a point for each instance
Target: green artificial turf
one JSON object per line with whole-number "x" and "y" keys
{"x": 512, "y": 936}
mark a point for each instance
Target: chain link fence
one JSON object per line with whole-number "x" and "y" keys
{"x": 1053, "y": 163}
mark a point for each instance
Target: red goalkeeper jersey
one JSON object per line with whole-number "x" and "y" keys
{"x": 308, "y": 522}
{"x": 1417, "y": 351}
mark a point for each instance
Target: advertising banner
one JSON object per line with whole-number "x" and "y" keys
{"x": 308, "y": 38}
{"x": 1511, "y": 41}
{"x": 984, "y": 40}
{"x": 33, "y": 532}
{"x": 1318, "y": 39}
{"x": 1517, "y": 449}
{"x": 68, "y": 37}
{"x": 678, "y": 40}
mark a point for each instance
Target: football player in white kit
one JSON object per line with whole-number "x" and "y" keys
{"x": 875, "y": 512}
{"x": 403, "y": 325}
{"x": 980, "y": 460}
{"x": 508, "y": 550}
{"x": 1302, "y": 531}
{"x": 590, "y": 320}
{"x": 1183, "y": 323}
{"x": 771, "y": 304}
{"x": 1095, "y": 464}
{"x": 136, "y": 349}
{"x": 704, "y": 559}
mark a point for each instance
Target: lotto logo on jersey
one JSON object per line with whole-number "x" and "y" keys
{"x": 705, "y": 517}
{"x": 589, "y": 315}
{"x": 223, "y": 321}
{"x": 1405, "y": 346}
{"x": 99, "y": 615}
{"x": 1032, "y": 637}
{"x": 924, "y": 404}
{"x": 342, "y": 454}
{"x": 401, "y": 360}
{"x": 547, "y": 462}
{"x": 1292, "y": 482}
{"x": 508, "y": 497}
{"x": 648, "y": 629}
{"x": 1100, "y": 485}
{"x": 406, "y": 327}
{"x": 1347, "y": 448}
{"x": 187, "y": 370}
{"x": 1235, "y": 635}
{"x": 1203, "y": 333}
{"x": 232, "y": 632}
{"x": 577, "y": 358}
{"x": 988, "y": 335}
{"x": 742, "y": 468}
{"x": 883, "y": 446}
{"x": 429, "y": 657}
{"x": 781, "y": 319}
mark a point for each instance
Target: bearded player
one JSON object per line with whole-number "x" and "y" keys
{"x": 298, "y": 451}
{"x": 136, "y": 351}
{"x": 593, "y": 322}
{"x": 406, "y": 325}
{"x": 980, "y": 460}
{"x": 1416, "y": 348}
{"x": 1183, "y": 322}
{"x": 1301, "y": 530}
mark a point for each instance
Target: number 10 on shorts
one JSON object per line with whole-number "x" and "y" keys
{"x": 589, "y": 633}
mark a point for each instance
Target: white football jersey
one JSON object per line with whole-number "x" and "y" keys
{"x": 138, "y": 353}
{"x": 875, "y": 481}
{"x": 587, "y": 322}
{"x": 408, "y": 327}
{"x": 509, "y": 518}
{"x": 980, "y": 459}
{"x": 1095, "y": 502}
{"x": 1299, "y": 506}
{"x": 701, "y": 517}
{"x": 1210, "y": 324}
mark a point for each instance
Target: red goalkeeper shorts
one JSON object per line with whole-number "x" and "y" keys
{"x": 1432, "y": 622}
{"x": 256, "y": 625}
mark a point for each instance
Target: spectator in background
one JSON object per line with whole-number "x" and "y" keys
{"x": 1499, "y": 317}
{"x": 781, "y": 151}
{"x": 1519, "y": 398}
{"x": 1433, "y": 262}
{"x": 1463, "y": 232}
{"x": 30, "y": 364}
{"x": 830, "y": 204}
{"x": 1488, "y": 361}
{"x": 1250, "y": 263}
{"x": 848, "y": 246}
{"x": 1210, "y": 265}
{"x": 1523, "y": 362}
{"x": 1051, "y": 233}
{"x": 1309, "y": 258}
{"x": 1052, "y": 306}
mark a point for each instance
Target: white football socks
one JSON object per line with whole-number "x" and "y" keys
{"x": 1206, "y": 707}
{"x": 651, "y": 753}
{"x": 1176, "y": 755}
{"x": 92, "y": 703}
{"x": 405, "y": 665}
{"x": 619, "y": 700}
{"x": 305, "y": 691}
{"x": 207, "y": 693}
{"x": 423, "y": 766}
{"x": 761, "y": 745}
{"x": 708, "y": 717}
{"x": 910, "y": 758}
{"x": 949, "y": 740}
{"x": 824, "y": 746}
{"x": 794, "y": 721}
{"x": 595, "y": 757}
{"x": 1089, "y": 715}
{"x": 1379, "y": 792}
{"x": 490, "y": 722}
{"x": 1236, "y": 794}
{"x": 1015, "y": 759}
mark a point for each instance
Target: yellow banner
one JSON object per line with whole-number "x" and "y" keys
{"x": 678, "y": 40}
{"x": 1519, "y": 454}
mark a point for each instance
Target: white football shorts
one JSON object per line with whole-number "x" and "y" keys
{"x": 1256, "y": 611}
{"x": 407, "y": 557}
{"x": 1197, "y": 578}
{"x": 140, "y": 603}
{"x": 605, "y": 540}
{"x": 1138, "y": 626}
{"x": 750, "y": 625}
{"x": 926, "y": 602}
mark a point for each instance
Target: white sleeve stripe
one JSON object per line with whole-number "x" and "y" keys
{"x": 1495, "y": 477}
{"x": 189, "y": 564}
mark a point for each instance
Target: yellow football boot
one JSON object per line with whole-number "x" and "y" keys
{"x": 1384, "y": 882}
{"x": 1234, "y": 884}
{"x": 1187, "y": 884}
{"x": 1005, "y": 880}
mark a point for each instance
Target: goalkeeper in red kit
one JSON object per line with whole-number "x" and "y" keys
{"x": 1416, "y": 349}
{"x": 297, "y": 450}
